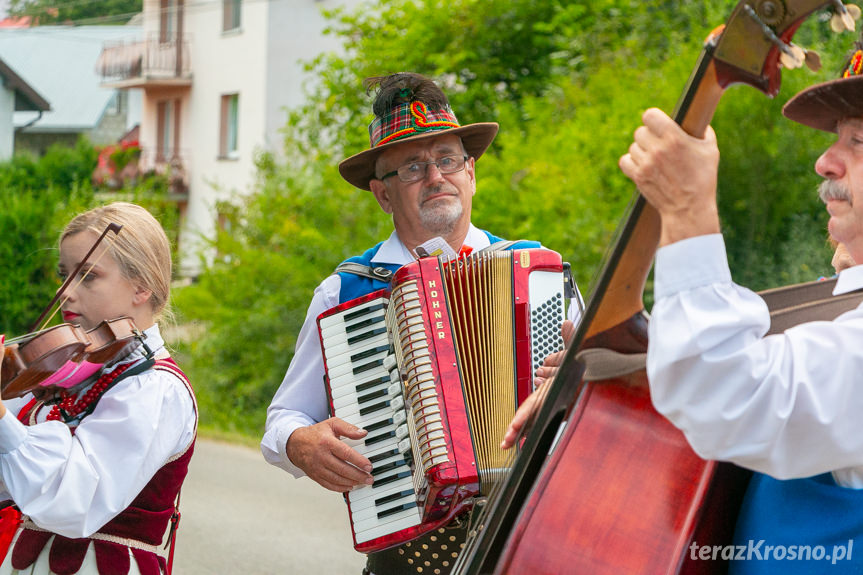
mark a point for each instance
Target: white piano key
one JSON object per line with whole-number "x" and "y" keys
{"x": 352, "y": 379}
{"x": 367, "y": 494}
{"x": 409, "y": 520}
{"x": 338, "y": 349}
{"x": 370, "y": 508}
{"x": 336, "y": 324}
{"x": 374, "y": 522}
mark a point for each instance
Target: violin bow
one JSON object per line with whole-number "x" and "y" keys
{"x": 112, "y": 227}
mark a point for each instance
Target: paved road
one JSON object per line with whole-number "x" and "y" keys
{"x": 240, "y": 515}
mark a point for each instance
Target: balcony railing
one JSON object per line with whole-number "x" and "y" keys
{"x": 170, "y": 163}
{"x": 140, "y": 63}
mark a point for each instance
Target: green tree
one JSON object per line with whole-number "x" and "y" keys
{"x": 84, "y": 12}
{"x": 568, "y": 82}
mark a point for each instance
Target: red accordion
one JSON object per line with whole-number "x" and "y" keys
{"x": 434, "y": 368}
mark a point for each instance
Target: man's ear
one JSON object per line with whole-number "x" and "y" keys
{"x": 379, "y": 189}
{"x": 470, "y": 166}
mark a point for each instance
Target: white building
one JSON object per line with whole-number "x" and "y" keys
{"x": 59, "y": 62}
{"x": 217, "y": 78}
{"x": 15, "y": 95}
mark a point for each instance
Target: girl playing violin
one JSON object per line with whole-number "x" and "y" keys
{"x": 96, "y": 471}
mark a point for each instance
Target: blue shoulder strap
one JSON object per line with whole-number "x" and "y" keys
{"x": 359, "y": 277}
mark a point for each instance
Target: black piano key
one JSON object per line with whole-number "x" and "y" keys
{"x": 393, "y": 497}
{"x": 365, "y": 323}
{"x": 361, "y": 312}
{"x": 372, "y": 383}
{"x": 378, "y": 425}
{"x": 370, "y": 352}
{"x": 384, "y": 455}
{"x": 367, "y": 335}
{"x": 388, "y": 467}
{"x": 396, "y": 509}
{"x": 391, "y": 478}
{"x": 374, "y": 408}
{"x": 368, "y": 366}
{"x": 373, "y": 395}
{"x": 381, "y": 437}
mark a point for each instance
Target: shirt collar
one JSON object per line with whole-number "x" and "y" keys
{"x": 153, "y": 339}
{"x": 393, "y": 251}
{"x": 849, "y": 280}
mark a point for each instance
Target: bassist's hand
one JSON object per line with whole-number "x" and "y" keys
{"x": 677, "y": 173}
{"x": 544, "y": 374}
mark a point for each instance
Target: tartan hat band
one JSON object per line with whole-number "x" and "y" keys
{"x": 407, "y": 120}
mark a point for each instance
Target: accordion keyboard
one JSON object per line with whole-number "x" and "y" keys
{"x": 366, "y": 392}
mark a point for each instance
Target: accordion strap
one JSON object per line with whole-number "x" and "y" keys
{"x": 373, "y": 273}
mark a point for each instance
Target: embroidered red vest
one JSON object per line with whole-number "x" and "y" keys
{"x": 139, "y": 528}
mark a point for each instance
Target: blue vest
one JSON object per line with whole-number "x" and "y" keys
{"x": 813, "y": 518}
{"x": 354, "y": 286}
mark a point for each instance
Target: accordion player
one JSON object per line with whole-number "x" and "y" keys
{"x": 433, "y": 369}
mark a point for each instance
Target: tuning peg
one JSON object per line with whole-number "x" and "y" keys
{"x": 792, "y": 56}
{"x": 844, "y": 17}
{"x": 813, "y": 60}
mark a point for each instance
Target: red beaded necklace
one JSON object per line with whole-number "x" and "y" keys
{"x": 72, "y": 408}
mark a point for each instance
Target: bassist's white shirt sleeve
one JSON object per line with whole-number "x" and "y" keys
{"x": 787, "y": 405}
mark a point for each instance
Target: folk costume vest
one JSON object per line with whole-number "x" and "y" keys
{"x": 798, "y": 526}
{"x": 435, "y": 552}
{"x": 139, "y": 528}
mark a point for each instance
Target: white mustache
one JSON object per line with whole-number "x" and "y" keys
{"x": 832, "y": 190}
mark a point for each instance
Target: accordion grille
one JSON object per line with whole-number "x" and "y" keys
{"x": 480, "y": 297}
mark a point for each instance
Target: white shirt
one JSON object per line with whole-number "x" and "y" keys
{"x": 788, "y": 405}
{"x": 74, "y": 484}
{"x": 301, "y": 399}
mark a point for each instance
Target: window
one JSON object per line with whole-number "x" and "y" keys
{"x": 231, "y": 14}
{"x": 164, "y": 129}
{"x": 167, "y": 129}
{"x": 167, "y": 20}
{"x": 229, "y": 125}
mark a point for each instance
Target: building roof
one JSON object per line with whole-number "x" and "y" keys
{"x": 26, "y": 98}
{"x": 60, "y": 63}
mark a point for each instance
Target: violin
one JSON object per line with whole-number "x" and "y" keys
{"x": 50, "y": 357}
{"x": 29, "y": 362}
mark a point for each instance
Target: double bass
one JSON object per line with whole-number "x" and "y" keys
{"x": 603, "y": 483}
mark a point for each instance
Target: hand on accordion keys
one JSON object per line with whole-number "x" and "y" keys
{"x": 316, "y": 450}
{"x": 544, "y": 374}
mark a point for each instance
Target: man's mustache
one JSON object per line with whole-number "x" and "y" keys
{"x": 833, "y": 190}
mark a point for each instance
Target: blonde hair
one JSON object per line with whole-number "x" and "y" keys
{"x": 141, "y": 248}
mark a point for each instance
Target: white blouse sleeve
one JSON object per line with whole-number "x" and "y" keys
{"x": 74, "y": 484}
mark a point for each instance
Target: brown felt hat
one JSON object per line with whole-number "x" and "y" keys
{"x": 410, "y": 119}
{"x": 824, "y": 105}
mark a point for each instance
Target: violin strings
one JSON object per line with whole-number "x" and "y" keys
{"x": 75, "y": 286}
